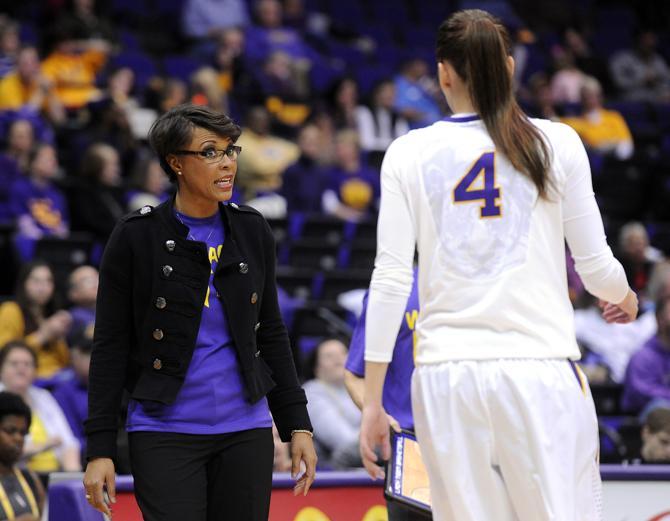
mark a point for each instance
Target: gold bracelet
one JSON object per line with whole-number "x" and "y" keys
{"x": 304, "y": 431}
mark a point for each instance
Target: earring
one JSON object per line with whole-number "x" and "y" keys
{"x": 179, "y": 172}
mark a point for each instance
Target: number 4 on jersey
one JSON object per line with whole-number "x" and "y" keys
{"x": 485, "y": 190}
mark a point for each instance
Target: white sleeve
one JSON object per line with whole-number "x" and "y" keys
{"x": 392, "y": 277}
{"x": 602, "y": 275}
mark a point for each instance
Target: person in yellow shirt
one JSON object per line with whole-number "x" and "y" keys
{"x": 603, "y": 130}
{"x": 50, "y": 445}
{"x": 72, "y": 67}
{"x": 266, "y": 156}
{"x": 26, "y": 86}
{"x": 33, "y": 319}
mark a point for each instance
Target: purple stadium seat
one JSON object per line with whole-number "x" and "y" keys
{"x": 181, "y": 66}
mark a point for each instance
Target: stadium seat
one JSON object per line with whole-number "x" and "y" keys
{"x": 311, "y": 253}
{"x": 339, "y": 281}
{"x": 298, "y": 282}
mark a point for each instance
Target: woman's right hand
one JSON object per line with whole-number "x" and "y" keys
{"x": 623, "y": 312}
{"x": 100, "y": 474}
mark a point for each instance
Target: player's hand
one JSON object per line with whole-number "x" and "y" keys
{"x": 100, "y": 473}
{"x": 302, "y": 451}
{"x": 623, "y": 312}
{"x": 374, "y": 433}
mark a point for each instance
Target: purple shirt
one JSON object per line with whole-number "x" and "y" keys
{"x": 211, "y": 399}
{"x": 46, "y": 205}
{"x": 647, "y": 376}
{"x": 396, "y": 396}
{"x": 72, "y": 396}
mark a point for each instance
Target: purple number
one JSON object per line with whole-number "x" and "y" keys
{"x": 489, "y": 194}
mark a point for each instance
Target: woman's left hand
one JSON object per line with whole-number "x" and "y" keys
{"x": 302, "y": 450}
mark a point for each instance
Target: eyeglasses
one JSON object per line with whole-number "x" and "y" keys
{"x": 213, "y": 155}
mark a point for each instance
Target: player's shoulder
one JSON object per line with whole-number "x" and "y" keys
{"x": 417, "y": 138}
{"x": 557, "y": 132}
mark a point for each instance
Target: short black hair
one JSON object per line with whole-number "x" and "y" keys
{"x": 13, "y": 405}
{"x": 173, "y": 130}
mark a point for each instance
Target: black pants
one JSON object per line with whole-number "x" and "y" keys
{"x": 223, "y": 477}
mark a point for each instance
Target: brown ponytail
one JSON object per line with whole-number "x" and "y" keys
{"x": 477, "y": 46}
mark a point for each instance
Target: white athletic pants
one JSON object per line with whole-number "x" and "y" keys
{"x": 508, "y": 440}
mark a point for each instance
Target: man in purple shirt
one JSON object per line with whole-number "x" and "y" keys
{"x": 397, "y": 397}
{"x": 648, "y": 375}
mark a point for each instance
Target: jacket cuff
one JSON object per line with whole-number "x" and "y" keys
{"x": 291, "y": 418}
{"x": 101, "y": 444}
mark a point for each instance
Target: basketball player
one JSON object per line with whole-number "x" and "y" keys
{"x": 504, "y": 417}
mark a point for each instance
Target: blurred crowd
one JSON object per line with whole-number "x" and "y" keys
{"x": 320, "y": 88}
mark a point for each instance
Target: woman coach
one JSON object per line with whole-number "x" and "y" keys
{"x": 188, "y": 322}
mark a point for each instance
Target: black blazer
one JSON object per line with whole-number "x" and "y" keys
{"x": 153, "y": 283}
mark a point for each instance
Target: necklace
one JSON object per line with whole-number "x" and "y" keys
{"x": 190, "y": 236}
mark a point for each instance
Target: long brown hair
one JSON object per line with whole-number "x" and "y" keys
{"x": 477, "y": 46}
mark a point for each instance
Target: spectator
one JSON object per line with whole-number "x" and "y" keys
{"x": 33, "y": 318}
{"x": 148, "y": 185}
{"x": 20, "y": 142}
{"x": 14, "y": 163}
{"x": 304, "y": 181}
{"x": 21, "y": 485}
{"x": 270, "y": 35}
{"x": 656, "y": 436}
{"x": 82, "y": 293}
{"x": 72, "y": 393}
{"x": 343, "y": 104}
{"x": 648, "y": 374}
{"x": 602, "y": 130}
{"x": 335, "y": 418}
{"x": 98, "y": 197}
{"x": 282, "y": 86}
{"x": 353, "y": 189}
{"x": 541, "y": 103}
{"x": 227, "y": 58}
{"x": 73, "y": 65}
{"x": 207, "y": 90}
{"x": 38, "y": 206}
{"x": 585, "y": 59}
{"x": 51, "y": 446}
{"x": 379, "y": 124}
{"x": 566, "y": 83}
{"x": 120, "y": 87}
{"x": 265, "y": 156}
{"x": 641, "y": 73}
{"x": 637, "y": 256}
{"x": 210, "y": 18}
{"x": 26, "y": 87}
{"x": 416, "y": 94}
{"x": 9, "y": 44}
{"x": 85, "y": 18}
